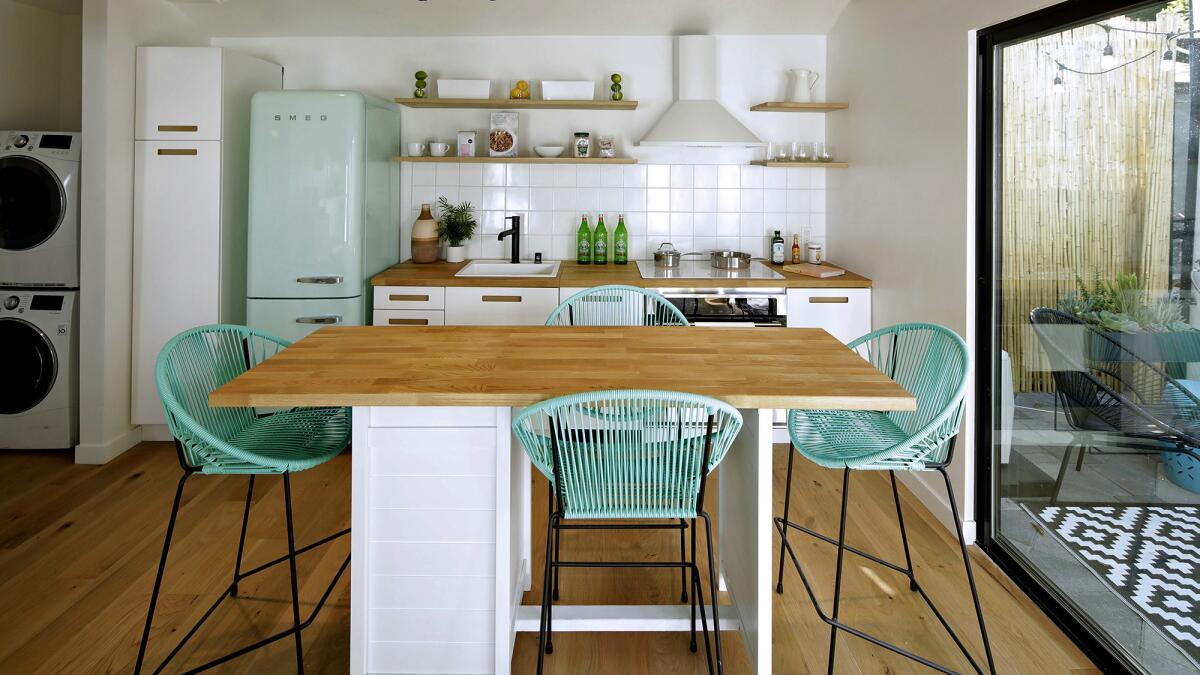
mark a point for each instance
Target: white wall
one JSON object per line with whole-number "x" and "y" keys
{"x": 751, "y": 70}
{"x": 904, "y": 213}
{"x": 112, "y": 29}
{"x": 40, "y": 68}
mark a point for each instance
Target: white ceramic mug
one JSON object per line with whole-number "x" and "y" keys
{"x": 416, "y": 149}
{"x": 439, "y": 149}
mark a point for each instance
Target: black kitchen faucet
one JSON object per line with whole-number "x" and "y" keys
{"x": 515, "y": 231}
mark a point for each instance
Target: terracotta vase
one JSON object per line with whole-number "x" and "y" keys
{"x": 425, "y": 245}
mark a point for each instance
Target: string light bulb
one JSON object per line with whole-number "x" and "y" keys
{"x": 1168, "y": 60}
{"x": 1058, "y": 81}
{"x": 1108, "y": 59}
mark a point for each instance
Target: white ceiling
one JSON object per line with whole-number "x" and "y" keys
{"x": 282, "y": 18}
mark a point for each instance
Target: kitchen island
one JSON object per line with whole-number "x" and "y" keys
{"x": 441, "y": 516}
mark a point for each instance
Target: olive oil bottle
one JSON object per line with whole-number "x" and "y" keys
{"x": 600, "y": 242}
{"x": 621, "y": 242}
{"x": 583, "y": 243}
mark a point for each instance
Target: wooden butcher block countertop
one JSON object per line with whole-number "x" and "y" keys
{"x": 574, "y": 275}
{"x": 522, "y": 365}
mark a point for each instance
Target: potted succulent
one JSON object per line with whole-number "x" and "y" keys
{"x": 455, "y": 226}
{"x": 1145, "y": 322}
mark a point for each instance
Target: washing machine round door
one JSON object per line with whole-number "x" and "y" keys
{"x": 32, "y": 203}
{"x": 29, "y": 363}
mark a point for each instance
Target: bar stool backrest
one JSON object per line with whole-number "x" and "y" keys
{"x": 931, "y": 363}
{"x": 628, "y": 453}
{"x": 616, "y": 305}
{"x": 190, "y": 367}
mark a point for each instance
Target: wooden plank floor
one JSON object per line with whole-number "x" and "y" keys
{"x": 79, "y": 546}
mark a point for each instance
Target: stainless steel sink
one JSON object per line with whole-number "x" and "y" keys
{"x": 503, "y": 268}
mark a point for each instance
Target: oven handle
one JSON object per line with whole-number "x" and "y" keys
{"x": 736, "y": 324}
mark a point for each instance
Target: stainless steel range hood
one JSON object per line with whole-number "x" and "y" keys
{"x": 696, "y": 119}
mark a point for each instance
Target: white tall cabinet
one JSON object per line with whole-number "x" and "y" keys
{"x": 191, "y": 176}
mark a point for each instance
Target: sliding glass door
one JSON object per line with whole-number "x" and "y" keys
{"x": 1089, "y": 396}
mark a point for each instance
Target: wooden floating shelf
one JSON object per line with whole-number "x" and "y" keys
{"x": 515, "y": 104}
{"x": 802, "y": 165}
{"x": 521, "y": 160}
{"x": 786, "y": 106}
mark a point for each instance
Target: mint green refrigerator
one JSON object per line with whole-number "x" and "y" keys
{"x": 324, "y": 208}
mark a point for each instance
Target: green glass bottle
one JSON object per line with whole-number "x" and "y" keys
{"x": 621, "y": 242}
{"x": 600, "y": 242}
{"x": 583, "y": 243}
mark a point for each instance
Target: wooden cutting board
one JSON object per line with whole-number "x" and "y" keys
{"x": 811, "y": 270}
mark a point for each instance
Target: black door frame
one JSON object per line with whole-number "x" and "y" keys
{"x": 1043, "y": 22}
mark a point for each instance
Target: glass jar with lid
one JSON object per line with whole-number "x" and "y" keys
{"x": 582, "y": 146}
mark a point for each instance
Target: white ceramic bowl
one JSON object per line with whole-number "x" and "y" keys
{"x": 549, "y": 150}
{"x": 464, "y": 88}
{"x": 568, "y": 90}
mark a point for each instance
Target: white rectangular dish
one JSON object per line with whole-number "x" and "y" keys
{"x": 479, "y": 89}
{"x": 568, "y": 90}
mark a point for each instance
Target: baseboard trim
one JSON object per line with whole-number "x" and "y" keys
{"x": 936, "y": 503}
{"x": 102, "y": 453}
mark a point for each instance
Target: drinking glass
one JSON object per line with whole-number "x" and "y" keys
{"x": 802, "y": 151}
{"x": 823, "y": 152}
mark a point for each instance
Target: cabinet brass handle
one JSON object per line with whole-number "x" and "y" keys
{"x": 408, "y": 298}
{"x": 501, "y": 298}
{"x": 829, "y": 300}
{"x": 178, "y": 127}
{"x": 408, "y": 322}
{"x": 177, "y": 151}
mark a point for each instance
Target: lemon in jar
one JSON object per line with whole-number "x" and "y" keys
{"x": 616, "y": 78}
{"x": 421, "y": 75}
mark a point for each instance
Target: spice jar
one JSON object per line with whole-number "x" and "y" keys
{"x": 607, "y": 145}
{"x": 816, "y": 254}
{"x": 582, "y": 147}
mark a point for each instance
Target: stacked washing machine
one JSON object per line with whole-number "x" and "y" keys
{"x": 39, "y": 289}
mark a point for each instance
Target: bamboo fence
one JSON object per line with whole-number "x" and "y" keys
{"x": 1086, "y": 173}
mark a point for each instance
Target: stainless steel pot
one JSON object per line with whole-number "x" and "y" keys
{"x": 730, "y": 260}
{"x": 667, "y": 255}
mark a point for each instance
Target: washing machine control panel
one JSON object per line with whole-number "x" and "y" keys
{"x": 23, "y": 302}
{"x": 12, "y": 302}
{"x": 48, "y": 144}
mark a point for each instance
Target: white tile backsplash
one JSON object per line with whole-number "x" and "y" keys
{"x": 696, "y": 207}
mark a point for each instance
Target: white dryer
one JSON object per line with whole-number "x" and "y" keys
{"x": 39, "y": 399}
{"x": 39, "y": 209}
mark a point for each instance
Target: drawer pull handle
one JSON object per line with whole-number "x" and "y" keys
{"x": 829, "y": 300}
{"x": 502, "y": 298}
{"x": 180, "y": 128}
{"x": 408, "y": 298}
{"x": 319, "y": 280}
{"x": 176, "y": 151}
{"x": 408, "y": 322}
{"x": 328, "y": 319}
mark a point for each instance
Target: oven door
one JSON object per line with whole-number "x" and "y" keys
{"x": 742, "y": 309}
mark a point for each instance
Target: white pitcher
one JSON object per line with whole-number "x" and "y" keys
{"x": 800, "y": 84}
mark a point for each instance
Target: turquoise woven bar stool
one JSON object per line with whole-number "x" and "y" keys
{"x": 629, "y": 455}
{"x": 239, "y": 441}
{"x": 616, "y": 305}
{"x": 931, "y": 362}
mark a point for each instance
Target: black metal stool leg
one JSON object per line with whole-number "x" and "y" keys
{"x": 695, "y": 591}
{"x": 546, "y": 580}
{"x": 162, "y": 564}
{"x": 683, "y": 595}
{"x": 557, "y": 543}
{"x": 287, "y": 496}
{"x": 912, "y": 574}
{"x": 237, "y": 566}
{"x": 698, "y": 595}
{"x": 837, "y": 584}
{"x": 962, "y": 544}
{"x": 787, "y": 502}
{"x": 712, "y": 584}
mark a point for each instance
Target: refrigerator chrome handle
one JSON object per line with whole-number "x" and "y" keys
{"x": 332, "y": 279}
{"x": 326, "y": 319}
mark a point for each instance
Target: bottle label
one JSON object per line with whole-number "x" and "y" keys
{"x": 601, "y": 247}
{"x": 619, "y": 248}
{"x": 584, "y": 248}
{"x": 777, "y": 252}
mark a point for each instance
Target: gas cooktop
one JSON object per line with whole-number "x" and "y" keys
{"x": 692, "y": 269}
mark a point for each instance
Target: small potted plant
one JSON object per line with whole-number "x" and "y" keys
{"x": 455, "y": 226}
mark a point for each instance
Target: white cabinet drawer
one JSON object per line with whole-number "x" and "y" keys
{"x": 407, "y": 317}
{"x": 178, "y": 94}
{"x": 409, "y": 297}
{"x": 499, "y": 306}
{"x": 844, "y": 312}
